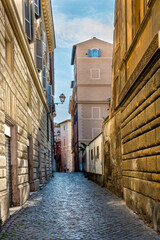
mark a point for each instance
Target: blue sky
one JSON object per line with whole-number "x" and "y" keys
{"x": 76, "y": 21}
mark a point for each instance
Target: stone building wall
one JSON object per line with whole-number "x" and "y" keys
{"x": 24, "y": 108}
{"x": 133, "y": 135}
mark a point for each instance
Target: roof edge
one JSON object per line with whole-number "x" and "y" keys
{"x": 73, "y": 54}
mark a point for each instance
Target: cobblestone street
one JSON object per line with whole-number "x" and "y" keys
{"x": 72, "y": 207}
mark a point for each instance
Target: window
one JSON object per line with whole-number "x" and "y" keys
{"x": 91, "y": 154}
{"x": 64, "y": 142}
{"x": 39, "y": 54}
{"x": 94, "y": 52}
{"x": 37, "y": 9}
{"x": 97, "y": 151}
{"x": 27, "y": 18}
{"x": 139, "y": 9}
{"x": 95, "y": 73}
{"x": 64, "y": 127}
{"x": 44, "y": 78}
{"x": 49, "y": 95}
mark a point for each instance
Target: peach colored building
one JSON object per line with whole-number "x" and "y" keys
{"x": 90, "y": 100}
{"x": 66, "y": 151}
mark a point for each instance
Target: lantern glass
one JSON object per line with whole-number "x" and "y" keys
{"x": 62, "y": 98}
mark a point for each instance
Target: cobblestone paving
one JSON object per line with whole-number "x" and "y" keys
{"x": 72, "y": 207}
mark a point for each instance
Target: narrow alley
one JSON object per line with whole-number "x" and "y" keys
{"x": 73, "y": 207}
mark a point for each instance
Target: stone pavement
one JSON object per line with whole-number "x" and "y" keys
{"x": 72, "y": 207}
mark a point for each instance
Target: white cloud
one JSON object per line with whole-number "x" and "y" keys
{"x": 71, "y": 31}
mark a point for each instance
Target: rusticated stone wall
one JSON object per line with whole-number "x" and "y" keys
{"x": 27, "y": 119}
{"x": 131, "y": 133}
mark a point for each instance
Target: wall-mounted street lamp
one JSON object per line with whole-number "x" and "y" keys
{"x": 62, "y": 98}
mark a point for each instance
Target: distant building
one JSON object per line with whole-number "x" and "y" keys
{"x": 93, "y": 160}
{"x": 90, "y": 100}
{"x": 58, "y": 162}
{"x": 27, "y": 44}
{"x": 66, "y": 150}
{"x": 57, "y": 132}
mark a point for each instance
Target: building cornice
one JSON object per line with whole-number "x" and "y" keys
{"x": 13, "y": 17}
{"x": 49, "y": 26}
{"x": 138, "y": 34}
{"x": 146, "y": 61}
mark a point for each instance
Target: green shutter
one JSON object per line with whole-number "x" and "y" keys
{"x": 39, "y": 54}
{"x": 49, "y": 95}
{"x": 27, "y": 18}
{"x": 89, "y": 53}
{"x": 44, "y": 77}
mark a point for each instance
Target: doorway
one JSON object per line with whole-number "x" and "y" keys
{"x": 8, "y": 167}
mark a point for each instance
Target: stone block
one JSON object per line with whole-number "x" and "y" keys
{"x": 142, "y": 141}
{"x": 150, "y": 87}
{"x": 22, "y": 171}
{"x": 147, "y": 188}
{"x": 148, "y": 208}
{"x": 151, "y": 138}
{"x": 157, "y": 135}
{"x": 24, "y": 192}
{"x": 151, "y": 164}
{"x": 2, "y": 173}
{"x": 158, "y": 163}
{"x": 2, "y": 184}
{"x": 151, "y": 112}
{"x": 2, "y": 117}
{"x": 157, "y": 79}
{"x": 22, "y": 163}
{"x": 4, "y": 201}
{"x": 2, "y": 161}
{"x": 2, "y": 150}
{"x": 22, "y": 179}
{"x": 141, "y": 96}
{"x": 141, "y": 118}
{"x": 157, "y": 102}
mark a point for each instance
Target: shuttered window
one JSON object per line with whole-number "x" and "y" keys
{"x": 97, "y": 151}
{"x": 48, "y": 65}
{"x": 27, "y": 18}
{"x": 44, "y": 77}
{"x": 37, "y": 8}
{"x": 8, "y": 168}
{"x": 91, "y": 154}
{"x": 49, "y": 95}
{"x": 39, "y": 54}
{"x": 89, "y": 53}
{"x": 53, "y": 108}
{"x": 99, "y": 52}
{"x": 94, "y": 52}
{"x": 32, "y": 24}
